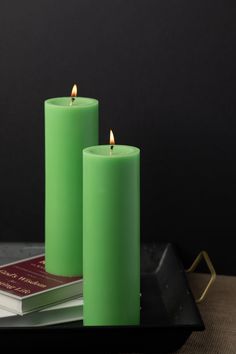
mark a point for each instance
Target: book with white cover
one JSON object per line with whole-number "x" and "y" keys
{"x": 68, "y": 311}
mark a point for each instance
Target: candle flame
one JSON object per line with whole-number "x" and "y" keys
{"x": 112, "y": 139}
{"x": 74, "y": 91}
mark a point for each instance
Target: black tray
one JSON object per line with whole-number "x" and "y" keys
{"x": 168, "y": 306}
{"x": 168, "y": 315}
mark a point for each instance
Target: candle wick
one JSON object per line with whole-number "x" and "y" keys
{"x": 72, "y": 100}
{"x": 111, "y": 149}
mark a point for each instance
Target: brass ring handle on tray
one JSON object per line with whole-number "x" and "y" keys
{"x": 203, "y": 255}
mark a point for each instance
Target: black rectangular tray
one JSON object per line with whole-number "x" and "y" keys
{"x": 168, "y": 313}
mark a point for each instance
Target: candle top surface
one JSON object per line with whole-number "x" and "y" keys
{"x": 77, "y": 102}
{"x": 117, "y": 151}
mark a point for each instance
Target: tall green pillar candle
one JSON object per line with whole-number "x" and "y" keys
{"x": 111, "y": 236}
{"x": 69, "y": 127}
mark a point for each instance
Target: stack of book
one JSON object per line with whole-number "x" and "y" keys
{"x": 30, "y": 297}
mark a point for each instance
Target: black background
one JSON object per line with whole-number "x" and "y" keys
{"x": 165, "y": 74}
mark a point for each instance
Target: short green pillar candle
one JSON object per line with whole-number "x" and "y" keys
{"x": 70, "y": 126}
{"x": 111, "y": 235}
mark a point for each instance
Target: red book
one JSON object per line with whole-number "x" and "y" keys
{"x": 25, "y": 286}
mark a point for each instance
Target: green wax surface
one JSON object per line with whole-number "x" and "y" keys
{"x": 111, "y": 235}
{"x": 68, "y": 130}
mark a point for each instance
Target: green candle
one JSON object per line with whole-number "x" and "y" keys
{"x": 71, "y": 124}
{"x": 111, "y": 235}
